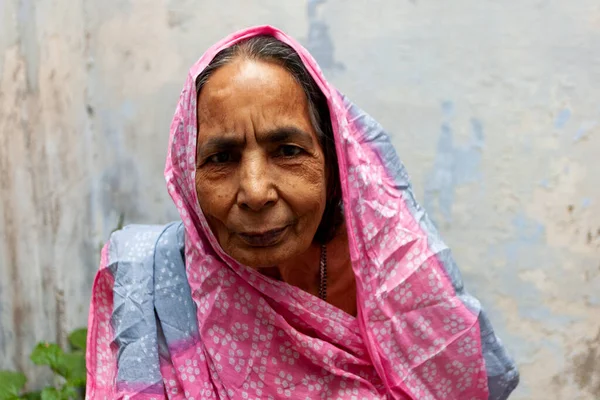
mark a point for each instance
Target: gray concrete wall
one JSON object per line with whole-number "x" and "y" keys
{"x": 493, "y": 106}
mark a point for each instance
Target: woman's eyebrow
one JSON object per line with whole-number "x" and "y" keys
{"x": 220, "y": 143}
{"x": 286, "y": 134}
{"x": 275, "y": 136}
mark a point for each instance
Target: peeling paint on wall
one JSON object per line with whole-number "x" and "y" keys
{"x": 454, "y": 165}
{"x": 319, "y": 41}
{"x": 562, "y": 118}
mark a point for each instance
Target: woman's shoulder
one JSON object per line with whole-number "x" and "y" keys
{"x": 137, "y": 245}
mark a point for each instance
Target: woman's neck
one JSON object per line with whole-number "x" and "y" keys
{"x": 303, "y": 272}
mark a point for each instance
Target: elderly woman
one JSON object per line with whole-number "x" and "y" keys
{"x": 303, "y": 267}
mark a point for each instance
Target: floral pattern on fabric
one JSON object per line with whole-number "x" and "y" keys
{"x": 175, "y": 317}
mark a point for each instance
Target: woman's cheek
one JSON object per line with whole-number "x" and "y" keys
{"x": 305, "y": 192}
{"x": 214, "y": 195}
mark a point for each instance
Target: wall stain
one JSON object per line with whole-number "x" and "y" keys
{"x": 120, "y": 184}
{"x": 11, "y": 228}
{"x": 586, "y": 202}
{"x": 562, "y": 118}
{"x": 586, "y": 367}
{"x": 584, "y": 130}
{"x": 319, "y": 41}
{"x": 526, "y": 249}
{"x": 453, "y": 166}
{"x": 28, "y": 40}
{"x": 179, "y": 13}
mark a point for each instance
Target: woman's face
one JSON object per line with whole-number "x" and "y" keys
{"x": 260, "y": 174}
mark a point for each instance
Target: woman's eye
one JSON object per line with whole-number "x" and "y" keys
{"x": 220, "y": 158}
{"x": 289, "y": 151}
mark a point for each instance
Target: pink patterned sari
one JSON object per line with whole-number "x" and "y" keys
{"x": 173, "y": 316}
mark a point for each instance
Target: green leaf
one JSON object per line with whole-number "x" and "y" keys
{"x": 32, "y": 396}
{"x": 51, "y": 393}
{"x": 47, "y": 354}
{"x": 11, "y": 384}
{"x": 78, "y": 339}
{"x": 69, "y": 392}
{"x": 74, "y": 365}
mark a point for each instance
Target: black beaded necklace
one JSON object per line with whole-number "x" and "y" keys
{"x": 323, "y": 274}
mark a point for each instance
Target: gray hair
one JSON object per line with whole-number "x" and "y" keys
{"x": 267, "y": 48}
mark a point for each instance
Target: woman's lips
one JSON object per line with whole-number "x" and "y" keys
{"x": 263, "y": 239}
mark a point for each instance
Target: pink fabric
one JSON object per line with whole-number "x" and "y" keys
{"x": 259, "y": 338}
{"x": 100, "y": 359}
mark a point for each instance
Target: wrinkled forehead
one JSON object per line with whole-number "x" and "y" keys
{"x": 191, "y": 94}
{"x": 246, "y": 85}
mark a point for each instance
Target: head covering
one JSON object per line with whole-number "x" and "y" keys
{"x": 173, "y": 316}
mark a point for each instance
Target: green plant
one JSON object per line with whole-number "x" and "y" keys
{"x": 69, "y": 366}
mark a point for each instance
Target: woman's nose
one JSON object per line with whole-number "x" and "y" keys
{"x": 257, "y": 190}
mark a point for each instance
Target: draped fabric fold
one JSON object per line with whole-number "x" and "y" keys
{"x": 173, "y": 316}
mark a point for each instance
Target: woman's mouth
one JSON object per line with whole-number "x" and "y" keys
{"x": 265, "y": 238}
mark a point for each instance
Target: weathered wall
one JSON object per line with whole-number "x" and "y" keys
{"x": 493, "y": 106}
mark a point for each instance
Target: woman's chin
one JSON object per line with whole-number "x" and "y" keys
{"x": 258, "y": 258}
{"x": 265, "y": 257}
